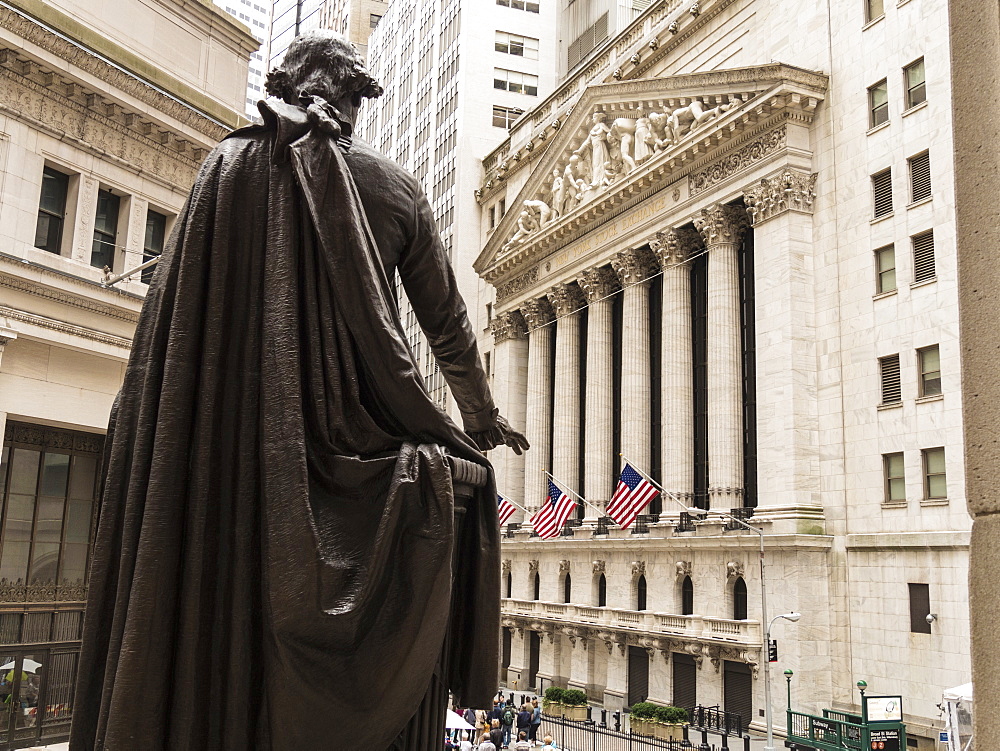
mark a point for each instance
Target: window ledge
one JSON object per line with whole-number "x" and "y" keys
{"x": 877, "y": 128}
{"x": 894, "y": 405}
{"x": 933, "y": 501}
{"x": 872, "y": 22}
{"x": 923, "y": 283}
{"x": 894, "y": 504}
{"x": 921, "y": 202}
{"x": 901, "y": 3}
{"x": 931, "y": 398}
{"x": 915, "y": 108}
{"x": 882, "y": 218}
{"x": 883, "y": 295}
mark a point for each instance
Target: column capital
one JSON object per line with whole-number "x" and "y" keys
{"x": 789, "y": 190}
{"x": 721, "y": 223}
{"x": 675, "y": 246}
{"x": 634, "y": 265}
{"x": 598, "y": 283}
{"x": 509, "y": 325}
{"x": 566, "y": 298}
{"x": 537, "y": 312}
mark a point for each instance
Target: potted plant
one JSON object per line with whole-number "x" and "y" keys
{"x": 641, "y": 718}
{"x": 552, "y": 701}
{"x": 670, "y": 723}
{"x": 574, "y": 703}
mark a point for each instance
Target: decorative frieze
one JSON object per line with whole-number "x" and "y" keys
{"x": 53, "y": 438}
{"x": 599, "y": 567}
{"x": 507, "y": 326}
{"x": 634, "y": 265}
{"x": 48, "y": 591}
{"x": 598, "y": 283}
{"x": 683, "y": 569}
{"x": 721, "y": 223}
{"x": 738, "y": 161}
{"x": 638, "y": 568}
{"x": 563, "y": 566}
{"x": 533, "y": 566}
{"x": 537, "y": 312}
{"x": 734, "y": 569}
{"x": 566, "y": 298}
{"x": 675, "y": 246}
{"x": 77, "y": 301}
{"x": 518, "y": 284}
{"x": 505, "y": 566}
{"x": 790, "y": 190}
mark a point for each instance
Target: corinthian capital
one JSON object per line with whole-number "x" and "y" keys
{"x": 634, "y": 266}
{"x": 598, "y": 283}
{"x": 507, "y": 326}
{"x": 537, "y": 312}
{"x": 789, "y": 190}
{"x": 720, "y": 223}
{"x": 675, "y": 247}
{"x": 566, "y": 298}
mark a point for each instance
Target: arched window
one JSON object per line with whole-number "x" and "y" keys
{"x": 687, "y": 596}
{"x": 739, "y": 599}
{"x": 602, "y": 592}
{"x": 538, "y": 588}
{"x": 567, "y": 589}
{"x": 510, "y": 584}
{"x": 640, "y": 593}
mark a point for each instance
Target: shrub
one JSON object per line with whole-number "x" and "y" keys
{"x": 574, "y": 697}
{"x": 644, "y": 710}
{"x": 554, "y": 694}
{"x": 671, "y": 714}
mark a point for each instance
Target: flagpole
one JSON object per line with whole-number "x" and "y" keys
{"x": 671, "y": 496}
{"x": 514, "y": 503}
{"x": 564, "y": 486}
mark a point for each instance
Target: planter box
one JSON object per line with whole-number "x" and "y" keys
{"x": 578, "y": 713}
{"x": 668, "y": 732}
{"x": 640, "y": 726}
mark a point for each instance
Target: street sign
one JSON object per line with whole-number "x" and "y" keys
{"x": 772, "y": 650}
{"x": 943, "y": 736}
{"x": 884, "y": 740}
{"x": 884, "y": 708}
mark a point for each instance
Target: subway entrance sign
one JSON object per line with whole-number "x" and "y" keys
{"x": 879, "y": 728}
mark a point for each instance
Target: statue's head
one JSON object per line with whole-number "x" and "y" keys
{"x": 322, "y": 63}
{"x": 600, "y": 117}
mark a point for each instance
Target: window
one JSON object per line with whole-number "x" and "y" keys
{"x": 882, "y": 193}
{"x": 739, "y": 599}
{"x": 888, "y": 367}
{"x": 510, "y": 584}
{"x": 512, "y": 80}
{"x": 503, "y": 206}
{"x": 373, "y": 20}
{"x": 687, "y": 596}
{"x": 531, "y": 7}
{"x": 493, "y": 216}
{"x": 48, "y": 498}
{"x": 920, "y": 608}
{"x": 929, "y": 359}
{"x": 878, "y": 104}
{"x": 504, "y": 117}
{"x": 105, "y": 230}
{"x": 885, "y": 269}
{"x": 874, "y": 9}
{"x": 916, "y": 84}
{"x": 935, "y": 481}
{"x": 51, "y": 210}
{"x": 567, "y": 589}
{"x": 895, "y": 477}
{"x": 923, "y": 256}
{"x": 640, "y": 593}
{"x": 156, "y": 227}
{"x": 920, "y": 176}
{"x": 512, "y": 44}
{"x": 537, "y": 588}
{"x": 602, "y": 592}
{"x": 584, "y": 44}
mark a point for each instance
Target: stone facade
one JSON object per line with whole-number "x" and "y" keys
{"x": 731, "y": 198}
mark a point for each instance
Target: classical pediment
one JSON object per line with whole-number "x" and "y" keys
{"x": 623, "y": 141}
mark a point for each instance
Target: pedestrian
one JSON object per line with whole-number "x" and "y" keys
{"x": 549, "y": 744}
{"x": 496, "y": 733}
{"x": 507, "y": 721}
{"x": 485, "y": 744}
{"x": 523, "y": 744}
{"x": 481, "y": 722}
{"x": 524, "y": 720}
{"x": 496, "y": 713}
{"x": 470, "y": 716}
{"x": 465, "y": 744}
{"x": 536, "y": 720}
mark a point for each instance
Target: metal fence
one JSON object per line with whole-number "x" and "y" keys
{"x": 592, "y": 735}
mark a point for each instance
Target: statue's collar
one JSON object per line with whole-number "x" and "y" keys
{"x": 292, "y": 121}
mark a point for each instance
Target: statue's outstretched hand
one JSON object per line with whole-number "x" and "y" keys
{"x": 500, "y": 433}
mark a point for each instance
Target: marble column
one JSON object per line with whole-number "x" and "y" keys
{"x": 567, "y": 301}
{"x": 538, "y": 316}
{"x": 673, "y": 250}
{"x": 510, "y": 387}
{"x": 634, "y": 269}
{"x": 722, "y": 228}
{"x": 599, "y": 464}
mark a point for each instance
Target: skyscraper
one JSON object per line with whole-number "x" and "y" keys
{"x": 355, "y": 19}
{"x": 256, "y": 14}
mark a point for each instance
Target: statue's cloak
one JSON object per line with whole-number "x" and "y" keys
{"x": 273, "y": 562}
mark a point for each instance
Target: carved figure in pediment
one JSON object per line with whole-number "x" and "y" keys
{"x": 685, "y": 119}
{"x": 540, "y": 208}
{"x": 557, "y": 193}
{"x": 573, "y": 185}
{"x": 527, "y": 225}
{"x": 596, "y": 146}
{"x": 643, "y": 138}
{"x": 661, "y": 136}
{"x": 623, "y": 130}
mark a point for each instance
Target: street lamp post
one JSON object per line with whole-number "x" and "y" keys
{"x": 767, "y": 677}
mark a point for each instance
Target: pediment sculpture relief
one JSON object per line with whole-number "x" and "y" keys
{"x": 610, "y": 152}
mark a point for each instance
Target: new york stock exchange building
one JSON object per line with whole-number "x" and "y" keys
{"x": 723, "y": 249}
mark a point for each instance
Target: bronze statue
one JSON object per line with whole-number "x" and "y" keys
{"x": 273, "y": 567}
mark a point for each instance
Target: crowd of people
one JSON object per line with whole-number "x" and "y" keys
{"x": 505, "y": 726}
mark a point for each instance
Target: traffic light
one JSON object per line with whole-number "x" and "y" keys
{"x": 772, "y": 650}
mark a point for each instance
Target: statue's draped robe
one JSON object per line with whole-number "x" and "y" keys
{"x": 273, "y": 561}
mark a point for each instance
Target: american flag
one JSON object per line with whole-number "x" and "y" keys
{"x": 631, "y": 496}
{"x": 505, "y": 509}
{"x": 549, "y": 519}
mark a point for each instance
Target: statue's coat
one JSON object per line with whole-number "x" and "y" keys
{"x": 273, "y": 562}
